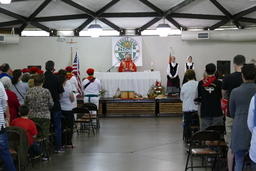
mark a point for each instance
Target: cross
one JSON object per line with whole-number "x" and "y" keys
{"x": 210, "y": 89}
{"x": 71, "y": 43}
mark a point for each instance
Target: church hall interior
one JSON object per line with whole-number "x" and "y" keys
{"x": 135, "y": 134}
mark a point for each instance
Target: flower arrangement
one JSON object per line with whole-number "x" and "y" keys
{"x": 103, "y": 92}
{"x": 156, "y": 90}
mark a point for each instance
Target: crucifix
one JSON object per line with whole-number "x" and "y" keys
{"x": 71, "y": 45}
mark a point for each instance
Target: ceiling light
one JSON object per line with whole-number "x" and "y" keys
{"x": 5, "y": 1}
{"x": 95, "y": 30}
{"x": 163, "y": 30}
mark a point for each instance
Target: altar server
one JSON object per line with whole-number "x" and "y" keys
{"x": 127, "y": 65}
{"x": 91, "y": 87}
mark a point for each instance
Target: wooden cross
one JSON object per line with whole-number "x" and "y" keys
{"x": 71, "y": 43}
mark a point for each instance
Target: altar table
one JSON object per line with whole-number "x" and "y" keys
{"x": 140, "y": 82}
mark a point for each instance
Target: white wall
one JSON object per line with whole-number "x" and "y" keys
{"x": 96, "y": 53}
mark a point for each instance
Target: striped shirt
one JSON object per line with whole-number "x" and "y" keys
{"x": 3, "y": 105}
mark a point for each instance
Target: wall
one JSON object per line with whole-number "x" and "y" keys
{"x": 96, "y": 53}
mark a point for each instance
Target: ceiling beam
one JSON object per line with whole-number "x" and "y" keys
{"x": 73, "y": 4}
{"x": 177, "y": 7}
{"x": 39, "y": 9}
{"x": 153, "y": 7}
{"x": 106, "y": 7}
{"x": 110, "y": 24}
{"x": 82, "y": 26}
{"x": 10, "y": 23}
{"x": 41, "y": 26}
{"x": 12, "y": 14}
{"x": 248, "y": 20}
{"x": 135, "y": 14}
{"x": 175, "y": 23}
{"x": 197, "y": 16}
{"x": 150, "y": 23}
{"x": 61, "y": 17}
{"x": 226, "y": 13}
{"x": 221, "y": 23}
{"x": 23, "y": 27}
{"x": 221, "y": 8}
{"x": 245, "y": 12}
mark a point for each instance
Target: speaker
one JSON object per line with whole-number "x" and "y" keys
{"x": 224, "y": 68}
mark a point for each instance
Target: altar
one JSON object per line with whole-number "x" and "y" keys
{"x": 140, "y": 82}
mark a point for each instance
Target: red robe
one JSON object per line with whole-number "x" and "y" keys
{"x": 127, "y": 66}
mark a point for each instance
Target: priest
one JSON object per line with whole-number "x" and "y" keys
{"x": 127, "y": 65}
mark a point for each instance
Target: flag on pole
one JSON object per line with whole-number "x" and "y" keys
{"x": 76, "y": 72}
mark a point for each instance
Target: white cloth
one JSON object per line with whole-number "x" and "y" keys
{"x": 2, "y": 87}
{"x": 252, "y": 128}
{"x": 187, "y": 96}
{"x": 92, "y": 88}
{"x": 140, "y": 82}
{"x": 94, "y": 100}
{"x": 3, "y": 105}
{"x": 169, "y": 69}
{"x": 73, "y": 83}
{"x": 189, "y": 64}
{"x": 65, "y": 102}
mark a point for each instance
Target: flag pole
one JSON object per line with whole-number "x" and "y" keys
{"x": 71, "y": 51}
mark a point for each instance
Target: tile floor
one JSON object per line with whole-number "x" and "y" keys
{"x": 125, "y": 144}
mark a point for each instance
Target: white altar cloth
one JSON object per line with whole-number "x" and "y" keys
{"x": 140, "y": 82}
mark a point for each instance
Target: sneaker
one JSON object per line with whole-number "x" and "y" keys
{"x": 60, "y": 150}
{"x": 44, "y": 158}
{"x": 71, "y": 146}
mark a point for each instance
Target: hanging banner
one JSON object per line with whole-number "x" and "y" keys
{"x": 126, "y": 45}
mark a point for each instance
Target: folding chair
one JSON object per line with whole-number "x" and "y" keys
{"x": 14, "y": 142}
{"x": 221, "y": 129}
{"x": 80, "y": 112}
{"x": 194, "y": 124}
{"x": 65, "y": 131}
{"x": 247, "y": 161}
{"x": 94, "y": 114}
{"x": 42, "y": 141}
{"x": 198, "y": 148}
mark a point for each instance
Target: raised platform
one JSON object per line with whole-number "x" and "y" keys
{"x": 170, "y": 106}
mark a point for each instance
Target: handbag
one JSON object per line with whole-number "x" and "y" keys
{"x": 18, "y": 91}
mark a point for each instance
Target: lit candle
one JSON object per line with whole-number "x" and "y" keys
{"x": 151, "y": 63}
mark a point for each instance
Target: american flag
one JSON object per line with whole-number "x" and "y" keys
{"x": 76, "y": 72}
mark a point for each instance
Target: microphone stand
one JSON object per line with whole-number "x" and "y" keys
{"x": 113, "y": 66}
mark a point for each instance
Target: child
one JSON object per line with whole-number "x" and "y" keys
{"x": 30, "y": 128}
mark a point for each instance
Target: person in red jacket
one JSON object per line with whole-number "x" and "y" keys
{"x": 13, "y": 101}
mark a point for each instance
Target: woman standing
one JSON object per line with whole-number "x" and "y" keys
{"x": 13, "y": 102}
{"x": 173, "y": 80}
{"x": 188, "y": 65}
{"x": 39, "y": 101}
{"x": 67, "y": 106}
{"x": 18, "y": 87}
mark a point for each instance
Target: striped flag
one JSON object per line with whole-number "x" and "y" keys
{"x": 76, "y": 72}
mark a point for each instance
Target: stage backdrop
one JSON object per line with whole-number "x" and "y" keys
{"x": 123, "y": 45}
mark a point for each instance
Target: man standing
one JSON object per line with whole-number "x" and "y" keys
{"x": 4, "y": 146}
{"x": 5, "y": 68}
{"x": 127, "y": 65}
{"x": 91, "y": 87}
{"x": 209, "y": 91}
{"x": 53, "y": 83}
{"x": 230, "y": 82}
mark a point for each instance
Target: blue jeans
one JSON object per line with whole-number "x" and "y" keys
{"x": 56, "y": 121}
{"x": 239, "y": 157}
{"x": 5, "y": 153}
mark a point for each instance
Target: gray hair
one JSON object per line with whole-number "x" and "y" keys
{"x": 6, "y": 82}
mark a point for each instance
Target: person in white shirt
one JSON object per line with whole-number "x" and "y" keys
{"x": 251, "y": 122}
{"x": 173, "y": 80}
{"x": 91, "y": 88}
{"x": 72, "y": 81}
{"x": 187, "y": 95}
{"x": 188, "y": 65}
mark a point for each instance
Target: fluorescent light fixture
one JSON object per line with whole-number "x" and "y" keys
{"x": 5, "y": 1}
{"x": 103, "y": 33}
{"x": 35, "y": 33}
{"x": 95, "y": 30}
{"x": 163, "y": 30}
{"x": 155, "y": 32}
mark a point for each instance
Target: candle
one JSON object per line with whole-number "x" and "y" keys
{"x": 151, "y": 63}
